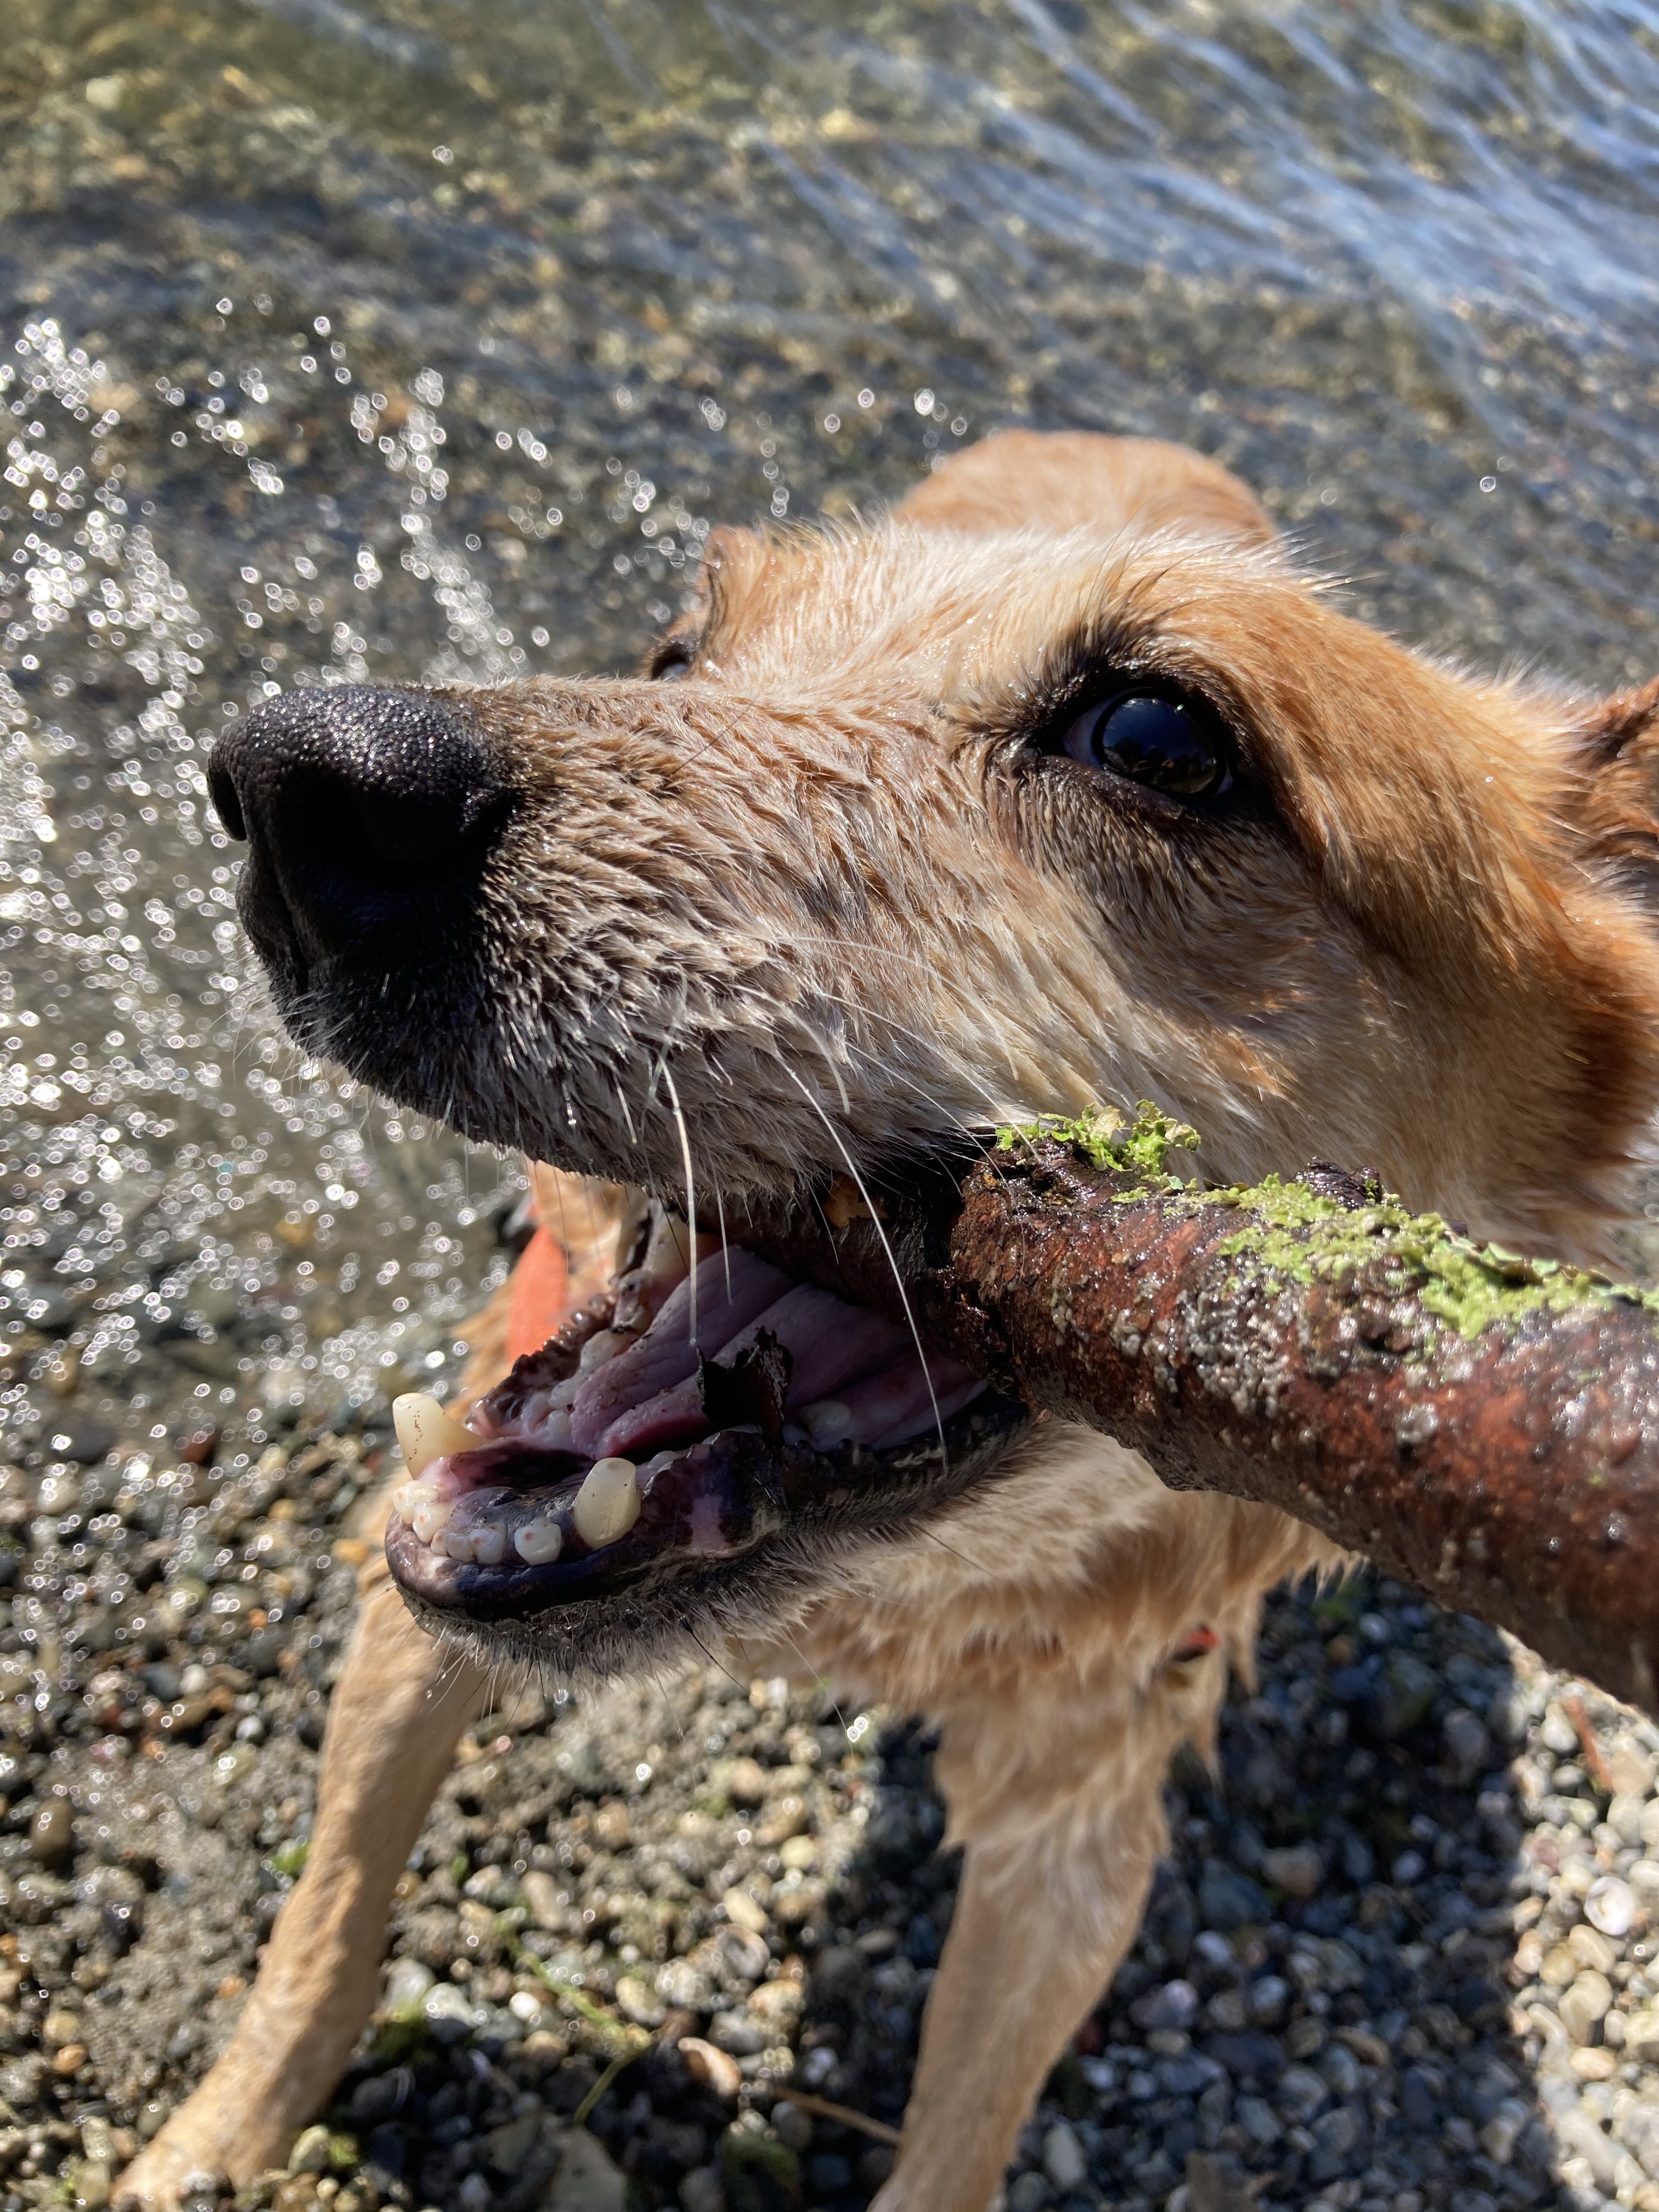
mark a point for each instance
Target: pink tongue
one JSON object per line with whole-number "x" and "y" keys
{"x": 665, "y": 1355}
{"x": 830, "y": 1341}
{"x": 899, "y": 1403}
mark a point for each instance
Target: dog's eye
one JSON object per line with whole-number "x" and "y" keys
{"x": 1154, "y": 740}
{"x": 672, "y": 660}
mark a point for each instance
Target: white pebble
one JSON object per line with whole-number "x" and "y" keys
{"x": 1610, "y": 1905}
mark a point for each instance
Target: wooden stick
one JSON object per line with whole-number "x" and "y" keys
{"x": 1483, "y": 1426}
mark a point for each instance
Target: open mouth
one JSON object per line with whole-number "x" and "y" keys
{"x": 714, "y": 1412}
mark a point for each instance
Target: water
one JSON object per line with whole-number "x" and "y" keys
{"x": 355, "y": 342}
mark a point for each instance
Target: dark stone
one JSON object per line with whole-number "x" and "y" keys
{"x": 80, "y": 1437}
{"x": 1404, "y": 1695}
{"x": 1417, "y": 2101}
{"x": 1228, "y": 1900}
{"x": 1260, "y": 2055}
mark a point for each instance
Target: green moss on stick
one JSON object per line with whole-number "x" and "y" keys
{"x": 1293, "y": 1231}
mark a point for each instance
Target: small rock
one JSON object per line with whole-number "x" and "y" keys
{"x": 1171, "y": 2005}
{"x": 1062, "y": 2157}
{"x": 1642, "y": 2038}
{"x": 1228, "y": 1900}
{"x": 448, "y": 2012}
{"x": 1610, "y": 1905}
{"x": 1560, "y": 1966}
{"x": 51, "y": 1833}
{"x": 1591, "y": 1948}
{"x": 310, "y": 2153}
{"x": 1405, "y": 1692}
{"x": 1468, "y": 1746}
{"x": 509, "y": 2147}
{"x": 1584, "y": 2006}
{"x": 541, "y": 1895}
{"x": 711, "y": 2068}
{"x": 741, "y": 1780}
{"x": 1594, "y": 2064}
{"x": 739, "y": 2035}
{"x": 700, "y": 2190}
{"x": 637, "y": 2002}
{"x": 791, "y": 2125}
{"x": 587, "y": 2179}
{"x": 407, "y": 1983}
{"x": 743, "y": 1911}
{"x": 777, "y": 2005}
{"x": 1629, "y": 1769}
{"x": 1299, "y": 1871}
{"x": 1557, "y": 1733}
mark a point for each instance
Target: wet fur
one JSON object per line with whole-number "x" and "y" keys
{"x": 816, "y": 905}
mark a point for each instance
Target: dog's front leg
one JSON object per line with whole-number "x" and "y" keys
{"x": 398, "y": 1710}
{"x": 1063, "y": 1826}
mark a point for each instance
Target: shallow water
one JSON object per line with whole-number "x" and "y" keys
{"x": 348, "y": 342}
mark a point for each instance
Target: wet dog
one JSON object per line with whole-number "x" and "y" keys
{"x": 1060, "y": 784}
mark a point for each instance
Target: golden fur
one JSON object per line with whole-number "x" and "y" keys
{"x": 822, "y": 873}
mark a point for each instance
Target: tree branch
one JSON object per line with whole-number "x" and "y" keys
{"x": 1483, "y": 1426}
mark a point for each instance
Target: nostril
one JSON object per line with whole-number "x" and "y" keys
{"x": 368, "y": 813}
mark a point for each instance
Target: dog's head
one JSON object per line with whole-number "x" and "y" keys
{"x": 1060, "y": 784}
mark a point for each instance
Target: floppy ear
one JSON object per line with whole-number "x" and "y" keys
{"x": 1619, "y": 759}
{"x": 1071, "y": 479}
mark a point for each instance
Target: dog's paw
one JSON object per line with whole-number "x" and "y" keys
{"x": 196, "y": 2155}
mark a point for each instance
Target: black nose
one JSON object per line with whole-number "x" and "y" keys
{"x": 369, "y": 815}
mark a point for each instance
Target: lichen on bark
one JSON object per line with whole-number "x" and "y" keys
{"x": 1295, "y": 1231}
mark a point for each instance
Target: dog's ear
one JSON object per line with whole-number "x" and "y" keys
{"x": 1071, "y": 479}
{"x": 1618, "y": 816}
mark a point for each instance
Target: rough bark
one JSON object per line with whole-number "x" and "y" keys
{"x": 1482, "y": 1426}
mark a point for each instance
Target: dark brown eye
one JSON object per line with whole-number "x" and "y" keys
{"x": 673, "y": 659}
{"x": 1154, "y": 740}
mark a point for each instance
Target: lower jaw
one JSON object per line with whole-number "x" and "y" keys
{"x": 731, "y": 1531}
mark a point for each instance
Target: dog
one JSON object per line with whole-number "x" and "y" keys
{"x": 1059, "y": 784}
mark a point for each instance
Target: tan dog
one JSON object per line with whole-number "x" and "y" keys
{"x": 1061, "y": 784}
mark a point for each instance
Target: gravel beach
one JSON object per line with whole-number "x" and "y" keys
{"x": 1402, "y": 1952}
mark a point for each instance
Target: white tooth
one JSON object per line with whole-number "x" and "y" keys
{"x": 608, "y": 1503}
{"x": 827, "y": 1423}
{"x": 426, "y": 1432}
{"x": 408, "y": 1496}
{"x": 552, "y": 1434}
{"x": 537, "y": 1542}
{"x": 488, "y": 1543}
{"x": 455, "y": 1544}
{"x": 430, "y": 1516}
{"x": 563, "y": 1395}
{"x": 604, "y": 1343}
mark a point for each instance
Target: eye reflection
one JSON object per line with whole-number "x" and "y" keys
{"x": 1151, "y": 739}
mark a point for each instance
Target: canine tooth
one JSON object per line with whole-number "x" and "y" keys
{"x": 539, "y": 1542}
{"x": 489, "y": 1544}
{"x": 430, "y": 1516}
{"x": 604, "y": 1343}
{"x": 426, "y": 1432}
{"x": 608, "y": 1503}
{"x": 827, "y": 1423}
